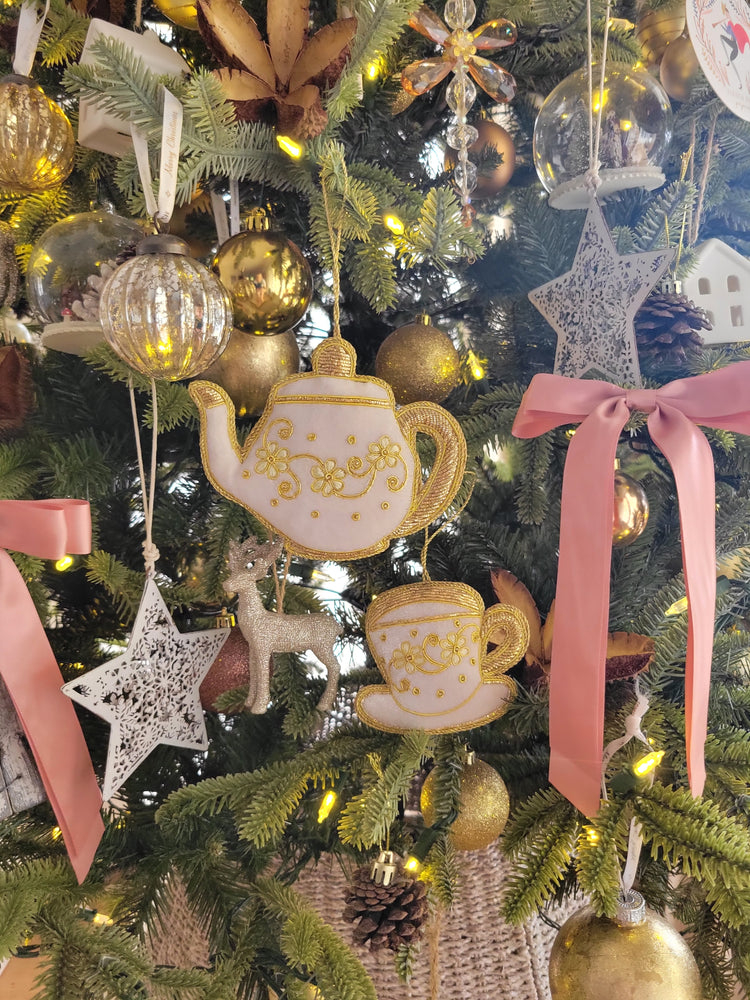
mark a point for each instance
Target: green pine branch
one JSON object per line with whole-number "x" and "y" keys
{"x": 601, "y": 849}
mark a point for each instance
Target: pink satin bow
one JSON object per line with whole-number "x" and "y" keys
{"x": 49, "y": 529}
{"x": 718, "y": 399}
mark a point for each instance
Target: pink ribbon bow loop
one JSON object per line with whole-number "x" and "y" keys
{"x": 48, "y": 529}
{"x": 719, "y": 399}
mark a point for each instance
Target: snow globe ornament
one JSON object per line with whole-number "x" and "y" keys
{"x": 636, "y": 127}
{"x": 66, "y": 269}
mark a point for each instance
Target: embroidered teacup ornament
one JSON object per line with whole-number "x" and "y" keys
{"x": 332, "y": 465}
{"x": 430, "y": 643}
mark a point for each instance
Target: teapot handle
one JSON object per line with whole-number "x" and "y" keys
{"x": 447, "y": 472}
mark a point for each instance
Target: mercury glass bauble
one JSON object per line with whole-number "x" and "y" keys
{"x": 36, "y": 139}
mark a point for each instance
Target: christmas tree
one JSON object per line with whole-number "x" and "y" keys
{"x": 504, "y": 262}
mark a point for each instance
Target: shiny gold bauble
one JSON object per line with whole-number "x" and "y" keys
{"x": 182, "y": 12}
{"x": 250, "y": 366}
{"x": 483, "y": 811}
{"x": 630, "y": 514}
{"x": 595, "y": 957}
{"x": 36, "y": 139}
{"x": 657, "y": 28}
{"x": 491, "y": 137}
{"x": 267, "y": 277}
{"x": 418, "y": 362}
{"x": 679, "y": 69}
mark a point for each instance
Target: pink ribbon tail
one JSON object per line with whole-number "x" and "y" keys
{"x": 577, "y": 677}
{"x": 48, "y": 529}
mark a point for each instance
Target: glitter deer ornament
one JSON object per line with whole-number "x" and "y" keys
{"x": 269, "y": 632}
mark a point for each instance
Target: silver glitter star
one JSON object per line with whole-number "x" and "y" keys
{"x": 592, "y": 306}
{"x": 149, "y": 694}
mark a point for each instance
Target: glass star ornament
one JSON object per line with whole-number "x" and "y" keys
{"x": 592, "y": 306}
{"x": 149, "y": 694}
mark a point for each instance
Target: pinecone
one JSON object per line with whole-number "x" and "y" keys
{"x": 667, "y": 325}
{"x": 387, "y": 916}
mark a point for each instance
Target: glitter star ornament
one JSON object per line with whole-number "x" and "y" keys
{"x": 149, "y": 694}
{"x": 592, "y": 306}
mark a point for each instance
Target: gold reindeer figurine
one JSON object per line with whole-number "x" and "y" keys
{"x": 269, "y": 632}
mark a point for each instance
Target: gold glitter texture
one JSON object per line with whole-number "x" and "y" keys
{"x": 483, "y": 811}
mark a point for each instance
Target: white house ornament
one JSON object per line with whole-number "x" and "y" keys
{"x": 720, "y": 283}
{"x": 331, "y": 465}
{"x": 430, "y": 642}
{"x": 720, "y": 33}
{"x": 149, "y": 694}
{"x": 592, "y": 306}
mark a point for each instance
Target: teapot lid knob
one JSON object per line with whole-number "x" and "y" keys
{"x": 334, "y": 357}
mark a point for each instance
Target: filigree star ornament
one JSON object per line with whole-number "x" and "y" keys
{"x": 149, "y": 694}
{"x": 592, "y": 306}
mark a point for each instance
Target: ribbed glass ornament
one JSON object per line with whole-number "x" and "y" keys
{"x": 36, "y": 139}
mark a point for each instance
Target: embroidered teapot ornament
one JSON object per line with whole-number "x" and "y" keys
{"x": 331, "y": 465}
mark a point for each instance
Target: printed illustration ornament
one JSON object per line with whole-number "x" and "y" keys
{"x": 720, "y": 34}
{"x": 418, "y": 361}
{"x": 429, "y": 641}
{"x": 149, "y": 694}
{"x": 249, "y": 367}
{"x": 630, "y": 511}
{"x": 492, "y": 140}
{"x": 483, "y": 809}
{"x": 37, "y": 144}
{"x": 267, "y": 277}
{"x": 657, "y": 28}
{"x": 636, "y": 954}
{"x": 163, "y": 313}
{"x": 331, "y": 466}
{"x": 592, "y": 306}
{"x": 388, "y": 911}
{"x": 181, "y": 12}
{"x": 636, "y": 130}
{"x": 679, "y": 69}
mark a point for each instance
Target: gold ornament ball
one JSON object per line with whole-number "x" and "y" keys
{"x": 181, "y": 12}
{"x": 630, "y": 514}
{"x": 36, "y": 139}
{"x": 492, "y": 137}
{"x": 679, "y": 69}
{"x": 250, "y": 366}
{"x": 267, "y": 277}
{"x": 657, "y": 28}
{"x": 483, "y": 810}
{"x": 419, "y": 362}
{"x": 593, "y": 957}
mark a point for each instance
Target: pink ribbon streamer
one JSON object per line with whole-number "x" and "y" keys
{"x": 49, "y": 529}
{"x": 719, "y": 399}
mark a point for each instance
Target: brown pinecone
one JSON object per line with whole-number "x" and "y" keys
{"x": 387, "y": 916}
{"x": 667, "y": 325}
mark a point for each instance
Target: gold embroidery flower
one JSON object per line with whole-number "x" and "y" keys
{"x": 383, "y": 452}
{"x": 272, "y": 460}
{"x": 408, "y": 658}
{"x": 453, "y": 649}
{"x": 328, "y": 478}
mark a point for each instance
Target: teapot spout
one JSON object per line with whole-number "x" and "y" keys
{"x": 223, "y": 459}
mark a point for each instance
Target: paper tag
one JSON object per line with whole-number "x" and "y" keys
{"x": 234, "y": 206}
{"x": 219, "y": 208}
{"x": 27, "y": 37}
{"x": 171, "y": 133}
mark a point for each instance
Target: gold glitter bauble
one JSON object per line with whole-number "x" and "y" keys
{"x": 483, "y": 811}
{"x": 230, "y": 670}
{"x": 630, "y": 514}
{"x": 36, "y": 139}
{"x": 679, "y": 69}
{"x": 595, "y": 956}
{"x": 250, "y": 366}
{"x": 492, "y": 138}
{"x": 657, "y": 28}
{"x": 267, "y": 277}
{"x": 182, "y": 12}
{"x": 418, "y": 362}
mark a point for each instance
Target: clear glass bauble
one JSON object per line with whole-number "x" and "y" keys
{"x": 165, "y": 314}
{"x": 66, "y": 263}
{"x": 636, "y": 129}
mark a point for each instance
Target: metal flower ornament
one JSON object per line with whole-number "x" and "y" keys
{"x": 460, "y": 47}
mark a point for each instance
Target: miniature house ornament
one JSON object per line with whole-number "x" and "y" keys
{"x": 720, "y": 284}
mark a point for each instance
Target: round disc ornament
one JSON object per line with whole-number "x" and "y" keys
{"x": 720, "y": 33}
{"x": 163, "y": 313}
{"x": 483, "y": 811}
{"x": 419, "y": 361}
{"x": 267, "y": 277}
{"x": 36, "y": 139}
{"x": 635, "y": 132}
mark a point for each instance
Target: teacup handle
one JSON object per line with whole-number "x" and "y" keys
{"x": 516, "y": 627}
{"x": 447, "y": 471}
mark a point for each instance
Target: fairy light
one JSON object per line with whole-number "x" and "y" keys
{"x": 391, "y": 221}
{"x": 645, "y": 765}
{"x": 64, "y": 564}
{"x": 374, "y": 68}
{"x": 592, "y": 835}
{"x": 290, "y": 146}
{"x": 477, "y": 366}
{"x": 329, "y": 801}
{"x": 413, "y": 865}
{"x": 677, "y": 608}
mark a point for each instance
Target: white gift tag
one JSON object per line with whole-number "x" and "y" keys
{"x": 27, "y": 37}
{"x": 219, "y": 208}
{"x": 162, "y": 206}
